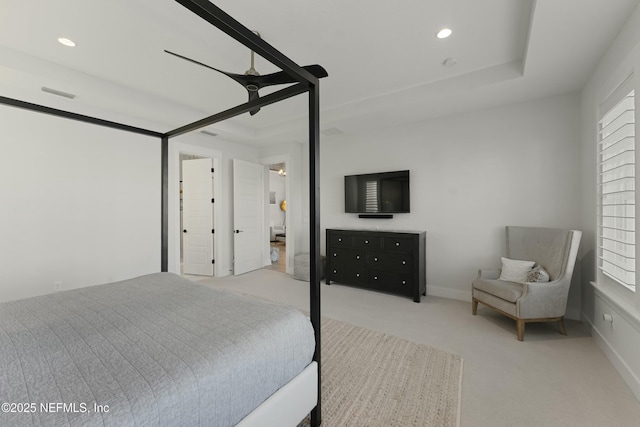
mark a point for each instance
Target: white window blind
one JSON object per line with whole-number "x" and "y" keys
{"x": 616, "y": 187}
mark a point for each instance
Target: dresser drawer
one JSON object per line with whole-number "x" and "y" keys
{"x": 340, "y": 240}
{"x": 365, "y": 242}
{"x": 348, "y": 275}
{"x": 391, "y": 281}
{"x": 397, "y": 244}
{"x": 347, "y": 257}
{"x": 402, "y": 262}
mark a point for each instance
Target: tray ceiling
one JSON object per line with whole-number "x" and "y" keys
{"x": 385, "y": 64}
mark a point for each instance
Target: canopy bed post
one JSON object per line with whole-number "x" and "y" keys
{"x": 164, "y": 216}
{"x": 75, "y": 116}
{"x": 314, "y": 212}
{"x": 272, "y": 98}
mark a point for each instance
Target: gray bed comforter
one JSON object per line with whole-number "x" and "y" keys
{"x": 157, "y": 350}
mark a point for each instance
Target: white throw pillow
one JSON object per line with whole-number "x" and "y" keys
{"x": 515, "y": 270}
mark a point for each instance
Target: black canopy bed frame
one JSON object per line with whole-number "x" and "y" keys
{"x": 306, "y": 83}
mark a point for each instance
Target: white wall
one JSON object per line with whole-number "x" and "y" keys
{"x": 619, "y": 340}
{"x": 471, "y": 174}
{"x": 80, "y": 204}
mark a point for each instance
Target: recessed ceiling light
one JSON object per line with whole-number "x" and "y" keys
{"x": 444, "y": 33}
{"x": 66, "y": 42}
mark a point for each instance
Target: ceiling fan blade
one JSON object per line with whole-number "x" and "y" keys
{"x": 317, "y": 70}
{"x": 281, "y": 77}
{"x": 255, "y": 82}
{"x": 253, "y": 95}
{"x": 240, "y": 78}
{"x": 278, "y": 78}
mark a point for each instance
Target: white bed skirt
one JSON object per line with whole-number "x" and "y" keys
{"x": 289, "y": 405}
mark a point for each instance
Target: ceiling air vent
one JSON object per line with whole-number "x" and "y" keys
{"x": 58, "y": 92}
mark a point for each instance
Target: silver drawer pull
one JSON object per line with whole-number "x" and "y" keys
{"x": 357, "y": 256}
{"x": 366, "y": 242}
{"x": 375, "y": 278}
{"x": 339, "y": 240}
{"x": 335, "y": 271}
{"x": 404, "y": 282}
{"x": 404, "y": 262}
{"x": 357, "y": 274}
{"x": 376, "y": 259}
{"x": 397, "y": 243}
{"x": 335, "y": 254}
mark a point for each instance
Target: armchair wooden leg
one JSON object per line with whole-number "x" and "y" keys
{"x": 561, "y": 327}
{"x": 520, "y": 326}
{"x": 474, "y": 306}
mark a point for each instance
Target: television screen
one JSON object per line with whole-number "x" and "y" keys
{"x": 385, "y": 192}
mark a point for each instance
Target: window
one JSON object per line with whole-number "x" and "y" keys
{"x": 616, "y": 187}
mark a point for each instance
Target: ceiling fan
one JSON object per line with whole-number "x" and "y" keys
{"x": 252, "y": 81}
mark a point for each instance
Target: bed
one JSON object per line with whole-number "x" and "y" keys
{"x": 155, "y": 350}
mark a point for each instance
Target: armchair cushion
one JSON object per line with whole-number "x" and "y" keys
{"x": 508, "y": 291}
{"x": 515, "y": 270}
{"x": 489, "y": 273}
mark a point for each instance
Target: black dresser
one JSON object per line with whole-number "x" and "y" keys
{"x": 390, "y": 261}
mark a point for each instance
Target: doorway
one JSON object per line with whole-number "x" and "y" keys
{"x": 277, "y": 217}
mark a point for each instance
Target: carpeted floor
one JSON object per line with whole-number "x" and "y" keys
{"x": 547, "y": 380}
{"x": 374, "y": 379}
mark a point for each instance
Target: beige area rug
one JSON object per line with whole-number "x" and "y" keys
{"x": 373, "y": 379}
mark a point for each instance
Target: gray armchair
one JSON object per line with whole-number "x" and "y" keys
{"x": 555, "y": 250}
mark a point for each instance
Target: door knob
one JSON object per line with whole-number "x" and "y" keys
{"x": 237, "y": 231}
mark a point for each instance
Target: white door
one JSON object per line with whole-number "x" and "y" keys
{"x": 248, "y": 216}
{"x": 197, "y": 214}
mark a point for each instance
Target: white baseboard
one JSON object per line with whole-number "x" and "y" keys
{"x": 437, "y": 291}
{"x": 618, "y": 363}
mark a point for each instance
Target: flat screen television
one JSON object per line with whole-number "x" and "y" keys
{"x": 375, "y": 193}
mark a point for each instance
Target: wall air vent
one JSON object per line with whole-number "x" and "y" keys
{"x": 206, "y": 132}
{"x": 331, "y": 132}
{"x": 58, "y": 92}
